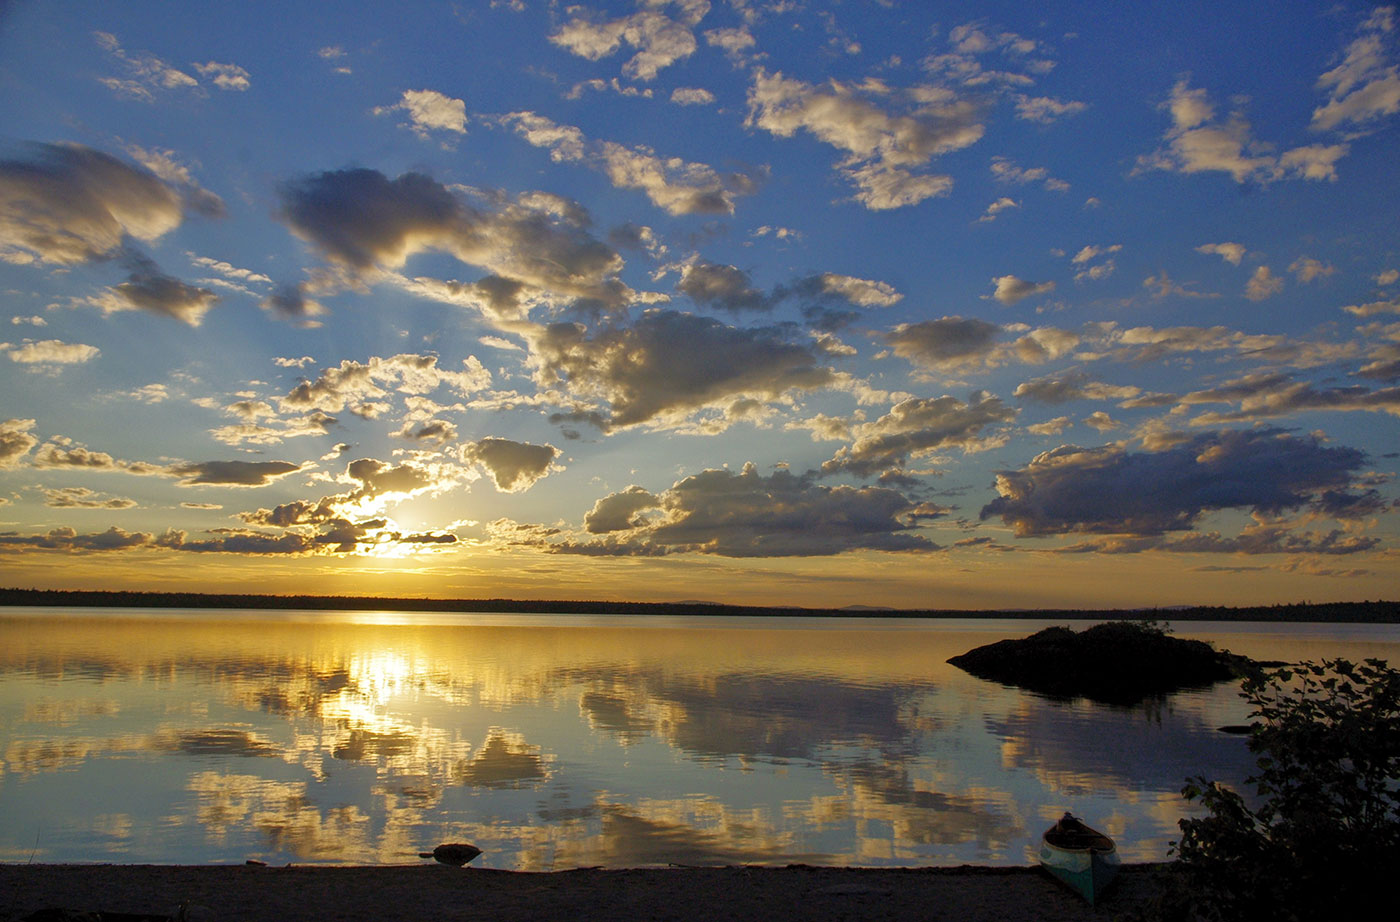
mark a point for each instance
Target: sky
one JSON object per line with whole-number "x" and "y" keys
{"x": 921, "y": 305}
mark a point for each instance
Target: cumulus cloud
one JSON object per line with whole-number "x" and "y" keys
{"x": 149, "y": 289}
{"x": 1230, "y": 252}
{"x": 692, "y": 96}
{"x": 1010, "y": 289}
{"x": 660, "y": 40}
{"x": 996, "y": 208}
{"x": 1268, "y": 396}
{"x": 1005, "y": 170}
{"x": 1365, "y": 86}
{"x": 1262, "y": 284}
{"x": 225, "y": 76}
{"x": 726, "y": 287}
{"x": 946, "y": 344}
{"x": 750, "y": 515}
{"x": 1073, "y": 384}
{"x": 291, "y": 303}
{"x": 429, "y": 110}
{"x": 366, "y": 224}
{"x": 358, "y": 385}
{"x": 83, "y": 498}
{"x": 671, "y": 183}
{"x": 1308, "y": 269}
{"x": 916, "y": 427}
{"x": 1110, "y": 490}
{"x": 15, "y": 441}
{"x": 883, "y": 149}
{"x": 668, "y": 365}
{"x": 1198, "y": 142}
{"x": 513, "y": 466}
{"x": 67, "y": 204}
{"x": 50, "y": 352}
{"x": 1045, "y": 109}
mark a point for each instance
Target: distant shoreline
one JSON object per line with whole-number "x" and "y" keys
{"x": 1379, "y": 612}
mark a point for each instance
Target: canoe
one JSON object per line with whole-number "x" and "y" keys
{"x": 1081, "y": 858}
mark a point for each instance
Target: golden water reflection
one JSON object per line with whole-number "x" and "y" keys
{"x": 554, "y": 743}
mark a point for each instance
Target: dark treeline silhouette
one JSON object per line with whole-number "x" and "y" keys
{"x": 1337, "y": 612}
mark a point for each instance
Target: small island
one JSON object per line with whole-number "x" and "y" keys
{"x": 1118, "y": 662}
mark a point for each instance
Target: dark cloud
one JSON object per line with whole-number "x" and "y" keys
{"x": 290, "y": 303}
{"x": 749, "y": 515}
{"x": 1269, "y": 396}
{"x": 149, "y": 289}
{"x": 67, "y": 539}
{"x": 917, "y": 426}
{"x": 1109, "y": 490}
{"x": 361, "y": 220}
{"x": 670, "y": 364}
{"x": 620, "y": 511}
{"x": 67, "y": 204}
{"x": 725, "y": 287}
{"x": 946, "y": 344}
{"x": 232, "y": 473}
{"x": 514, "y": 466}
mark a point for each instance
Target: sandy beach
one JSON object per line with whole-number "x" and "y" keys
{"x": 775, "y": 894}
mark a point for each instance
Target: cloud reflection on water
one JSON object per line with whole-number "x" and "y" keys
{"x": 558, "y": 746}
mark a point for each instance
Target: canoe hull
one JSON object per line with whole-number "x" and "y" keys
{"x": 1085, "y": 871}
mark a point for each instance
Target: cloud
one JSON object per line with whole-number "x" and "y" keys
{"x": 1308, "y": 269}
{"x": 946, "y": 344}
{"x": 1197, "y": 143}
{"x": 1262, "y": 284}
{"x": 726, "y": 287}
{"x": 357, "y": 385}
{"x": 50, "y": 352}
{"x": 1006, "y": 171}
{"x": 668, "y": 365}
{"x": 15, "y": 441}
{"x": 671, "y": 183}
{"x": 67, "y": 204}
{"x": 660, "y": 40}
{"x": 225, "y": 76}
{"x": 1365, "y": 86}
{"x": 429, "y": 110}
{"x": 995, "y": 208}
{"x": 1010, "y": 289}
{"x": 514, "y": 466}
{"x": 1230, "y": 252}
{"x": 290, "y": 303}
{"x": 1374, "y": 308}
{"x": 1110, "y": 490}
{"x": 149, "y": 289}
{"x": 1073, "y": 384}
{"x": 692, "y": 96}
{"x": 1045, "y": 110}
{"x": 146, "y": 73}
{"x": 620, "y": 511}
{"x": 231, "y": 473}
{"x": 852, "y": 290}
{"x": 749, "y": 515}
{"x": 1268, "y": 396}
{"x": 68, "y": 539}
{"x": 83, "y": 498}
{"x": 882, "y": 149}
{"x": 919, "y": 426}
{"x": 367, "y": 224}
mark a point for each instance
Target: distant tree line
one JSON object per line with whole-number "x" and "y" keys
{"x": 1378, "y": 612}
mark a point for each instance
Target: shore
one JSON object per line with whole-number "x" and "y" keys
{"x": 439, "y": 893}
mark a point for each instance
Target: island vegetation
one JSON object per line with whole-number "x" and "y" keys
{"x": 1377, "y": 612}
{"x": 1117, "y": 662}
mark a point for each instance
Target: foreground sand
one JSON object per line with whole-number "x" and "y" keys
{"x": 432, "y": 892}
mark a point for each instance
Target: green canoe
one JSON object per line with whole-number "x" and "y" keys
{"x": 1083, "y": 859}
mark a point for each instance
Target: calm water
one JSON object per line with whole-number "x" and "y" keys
{"x": 559, "y": 741}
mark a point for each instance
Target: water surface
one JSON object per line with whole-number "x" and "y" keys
{"x": 573, "y": 740}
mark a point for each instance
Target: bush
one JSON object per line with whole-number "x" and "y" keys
{"x": 1324, "y": 835}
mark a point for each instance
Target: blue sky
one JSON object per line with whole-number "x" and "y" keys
{"x": 828, "y": 304}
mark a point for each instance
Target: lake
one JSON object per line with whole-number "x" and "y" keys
{"x": 560, "y": 741}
